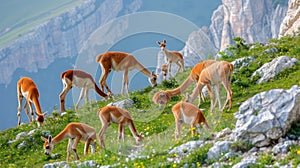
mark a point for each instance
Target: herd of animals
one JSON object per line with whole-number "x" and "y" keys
{"x": 206, "y": 73}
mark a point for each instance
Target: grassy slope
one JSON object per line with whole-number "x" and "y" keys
{"x": 20, "y": 16}
{"x": 157, "y": 125}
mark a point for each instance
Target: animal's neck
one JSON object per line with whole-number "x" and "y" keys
{"x": 61, "y": 136}
{"x": 36, "y": 105}
{"x": 196, "y": 91}
{"x": 142, "y": 69}
{"x": 181, "y": 88}
{"x": 132, "y": 129}
{"x": 165, "y": 51}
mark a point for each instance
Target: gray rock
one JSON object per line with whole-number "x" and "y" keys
{"x": 242, "y": 62}
{"x": 219, "y": 148}
{"x": 45, "y": 133}
{"x": 245, "y": 163}
{"x": 21, "y": 134}
{"x": 267, "y": 116}
{"x": 23, "y": 144}
{"x": 31, "y": 132}
{"x": 223, "y": 133}
{"x": 56, "y": 165}
{"x": 88, "y": 163}
{"x": 270, "y": 50}
{"x": 283, "y": 148}
{"x": 271, "y": 69}
{"x": 187, "y": 147}
{"x": 126, "y": 103}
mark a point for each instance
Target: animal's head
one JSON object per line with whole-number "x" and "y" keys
{"x": 161, "y": 98}
{"x": 153, "y": 79}
{"x": 162, "y": 44}
{"x": 48, "y": 145}
{"x": 139, "y": 138}
{"x": 40, "y": 119}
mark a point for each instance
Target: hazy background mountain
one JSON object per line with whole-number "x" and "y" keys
{"x": 41, "y": 39}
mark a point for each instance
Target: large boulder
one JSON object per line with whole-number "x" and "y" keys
{"x": 271, "y": 69}
{"x": 267, "y": 116}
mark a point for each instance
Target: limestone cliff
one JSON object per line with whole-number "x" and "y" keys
{"x": 291, "y": 22}
{"x": 253, "y": 20}
{"x": 59, "y": 37}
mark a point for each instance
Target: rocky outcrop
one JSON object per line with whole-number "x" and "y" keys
{"x": 59, "y": 37}
{"x": 291, "y": 22}
{"x": 271, "y": 69}
{"x": 267, "y": 116}
{"x": 252, "y": 20}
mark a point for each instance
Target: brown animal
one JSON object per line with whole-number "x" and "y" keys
{"x": 164, "y": 70}
{"x": 219, "y": 72}
{"x": 27, "y": 88}
{"x": 113, "y": 114}
{"x": 120, "y": 61}
{"x": 163, "y": 97}
{"x": 172, "y": 57}
{"x": 79, "y": 79}
{"x": 73, "y": 131}
{"x": 188, "y": 113}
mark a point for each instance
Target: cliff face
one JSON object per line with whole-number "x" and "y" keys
{"x": 253, "y": 20}
{"x": 60, "y": 37}
{"x": 291, "y": 22}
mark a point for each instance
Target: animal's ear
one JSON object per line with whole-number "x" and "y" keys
{"x": 45, "y": 113}
{"x": 44, "y": 139}
{"x": 165, "y": 41}
{"x": 153, "y": 73}
{"x": 158, "y": 43}
{"x": 50, "y": 139}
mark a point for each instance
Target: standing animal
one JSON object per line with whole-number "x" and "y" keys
{"x": 188, "y": 113}
{"x": 163, "y": 97}
{"x": 121, "y": 61}
{"x": 75, "y": 132}
{"x": 113, "y": 114}
{"x": 27, "y": 88}
{"x": 79, "y": 79}
{"x": 219, "y": 72}
{"x": 172, "y": 57}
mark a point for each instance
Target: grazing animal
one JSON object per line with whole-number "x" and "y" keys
{"x": 75, "y": 132}
{"x": 188, "y": 113}
{"x": 121, "y": 61}
{"x": 113, "y": 114}
{"x": 164, "y": 70}
{"x": 27, "y": 88}
{"x": 172, "y": 57}
{"x": 163, "y": 97}
{"x": 219, "y": 72}
{"x": 79, "y": 79}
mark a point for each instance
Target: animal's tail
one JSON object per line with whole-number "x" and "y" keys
{"x": 62, "y": 74}
{"x": 100, "y": 92}
{"x": 98, "y": 58}
{"x": 231, "y": 67}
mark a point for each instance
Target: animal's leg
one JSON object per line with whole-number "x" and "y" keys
{"x": 62, "y": 96}
{"x": 20, "y": 100}
{"x": 31, "y": 110}
{"x": 69, "y": 149}
{"x": 217, "y": 89}
{"x": 101, "y": 134}
{"x": 121, "y": 132}
{"x": 169, "y": 69}
{"x": 178, "y": 128}
{"x": 229, "y": 95}
{"x": 179, "y": 67}
{"x": 103, "y": 78}
{"x": 26, "y": 111}
{"x": 77, "y": 139}
{"x": 80, "y": 97}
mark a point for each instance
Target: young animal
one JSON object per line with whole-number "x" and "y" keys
{"x": 219, "y": 72}
{"x": 113, "y": 114}
{"x": 188, "y": 113}
{"x": 164, "y": 70}
{"x": 120, "y": 61}
{"x": 73, "y": 131}
{"x": 27, "y": 88}
{"x": 172, "y": 57}
{"x": 79, "y": 79}
{"x": 163, "y": 97}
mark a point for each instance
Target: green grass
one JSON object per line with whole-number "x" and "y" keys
{"x": 157, "y": 125}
